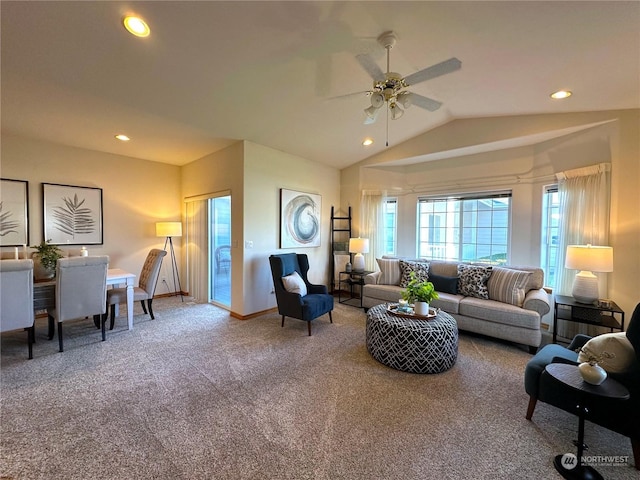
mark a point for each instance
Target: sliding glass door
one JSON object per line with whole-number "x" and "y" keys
{"x": 220, "y": 250}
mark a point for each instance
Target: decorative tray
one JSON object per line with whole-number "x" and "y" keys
{"x": 393, "y": 309}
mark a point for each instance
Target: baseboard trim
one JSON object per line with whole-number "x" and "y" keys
{"x": 253, "y": 315}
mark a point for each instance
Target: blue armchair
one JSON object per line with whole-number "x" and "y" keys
{"x": 621, "y": 417}
{"x": 315, "y": 303}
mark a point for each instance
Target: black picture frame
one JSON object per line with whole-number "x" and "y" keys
{"x": 72, "y": 215}
{"x": 14, "y": 212}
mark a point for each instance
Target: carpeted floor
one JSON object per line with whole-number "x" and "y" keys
{"x": 196, "y": 394}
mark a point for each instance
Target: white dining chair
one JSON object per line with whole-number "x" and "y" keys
{"x": 16, "y": 298}
{"x": 81, "y": 291}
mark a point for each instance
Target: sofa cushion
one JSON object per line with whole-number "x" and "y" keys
{"x": 383, "y": 293}
{"x": 448, "y": 302}
{"x": 446, "y": 268}
{"x": 508, "y": 285}
{"x": 390, "y": 271}
{"x": 498, "y": 312}
{"x": 421, "y": 270}
{"x": 616, "y": 344}
{"x": 444, "y": 284}
{"x": 472, "y": 280}
{"x": 295, "y": 284}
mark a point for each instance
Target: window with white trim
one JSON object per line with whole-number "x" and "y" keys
{"x": 390, "y": 226}
{"x": 472, "y": 227}
{"x": 550, "y": 231}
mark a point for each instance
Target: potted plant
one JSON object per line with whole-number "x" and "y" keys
{"x": 420, "y": 294}
{"x": 46, "y": 256}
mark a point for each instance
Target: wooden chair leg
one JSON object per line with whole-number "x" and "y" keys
{"x": 635, "y": 446}
{"x": 309, "y": 325}
{"x": 282, "y": 321}
{"x": 30, "y": 338}
{"x": 144, "y": 307}
{"x": 103, "y": 321}
{"x": 330, "y": 318}
{"x": 150, "y": 309}
{"x": 531, "y": 407}
{"x": 60, "y": 337}
{"x": 112, "y": 314}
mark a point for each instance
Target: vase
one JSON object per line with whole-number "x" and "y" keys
{"x": 593, "y": 374}
{"x": 39, "y": 272}
{"x": 421, "y": 308}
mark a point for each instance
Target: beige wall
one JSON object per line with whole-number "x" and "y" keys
{"x": 524, "y": 170}
{"x": 136, "y": 194}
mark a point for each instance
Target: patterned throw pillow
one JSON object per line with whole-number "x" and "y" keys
{"x": 472, "y": 280}
{"x": 390, "y": 271}
{"x": 508, "y": 286}
{"x": 295, "y": 284}
{"x": 407, "y": 266}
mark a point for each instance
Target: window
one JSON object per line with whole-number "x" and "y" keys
{"x": 390, "y": 224}
{"x": 550, "y": 232}
{"x": 466, "y": 228}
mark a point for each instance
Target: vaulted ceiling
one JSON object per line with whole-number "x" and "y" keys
{"x": 281, "y": 73}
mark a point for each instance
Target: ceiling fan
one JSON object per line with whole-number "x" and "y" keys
{"x": 389, "y": 88}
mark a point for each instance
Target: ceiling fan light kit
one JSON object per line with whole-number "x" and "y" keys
{"x": 389, "y": 88}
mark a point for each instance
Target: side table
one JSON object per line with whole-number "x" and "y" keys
{"x": 569, "y": 375}
{"x": 351, "y": 279}
{"x": 566, "y": 308}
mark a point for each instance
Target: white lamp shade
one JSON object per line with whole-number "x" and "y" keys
{"x": 377, "y": 100}
{"x": 589, "y": 258}
{"x": 359, "y": 245}
{"x": 168, "y": 229}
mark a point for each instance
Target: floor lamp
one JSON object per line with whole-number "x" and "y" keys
{"x": 168, "y": 230}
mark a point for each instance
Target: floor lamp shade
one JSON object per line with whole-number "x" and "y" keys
{"x": 588, "y": 259}
{"x": 168, "y": 229}
{"x": 358, "y": 246}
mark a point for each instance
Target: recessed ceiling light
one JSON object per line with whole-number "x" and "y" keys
{"x": 561, "y": 94}
{"x": 136, "y": 26}
{"x": 122, "y": 138}
{"x": 367, "y": 141}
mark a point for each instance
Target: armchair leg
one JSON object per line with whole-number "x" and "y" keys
{"x": 309, "y": 325}
{"x": 330, "y": 318}
{"x": 531, "y": 407}
{"x": 533, "y": 350}
{"x": 60, "y": 336}
{"x": 635, "y": 446}
{"x": 282, "y": 321}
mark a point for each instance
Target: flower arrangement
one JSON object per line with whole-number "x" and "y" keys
{"x": 419, "y": 291}
{"x": 595, "y": 358}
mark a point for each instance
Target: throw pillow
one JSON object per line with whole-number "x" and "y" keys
{"x": 444, "y": 284}
{"x": 420, "y": 268}
{"x": 507, "y": 285}
{"x": 616, "y": 343}
{"x": 390, "y": 271}
{"x": 472, "y": 280}
{"x": 295, "y": 284}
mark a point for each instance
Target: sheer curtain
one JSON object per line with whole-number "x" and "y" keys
{"x": 197, "y": 243}
{"x": 372, "y": 215}
{"x": 584, "y": 203}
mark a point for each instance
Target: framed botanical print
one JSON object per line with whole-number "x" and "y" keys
{"x": 72, "y": 215}
{"x": 299, "y": 219}
{"x": 14, "y": 213}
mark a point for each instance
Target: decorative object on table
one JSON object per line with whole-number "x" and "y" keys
{"x": 84, "y": 252}
{"x": 45, "y": 259}
{"x": 420, "y": 293}
{"x": 72, "y": 215}
{"x": 299, "y": 219}
{"x": 588, "y": 259}
{"x": 589, "y": 367}
{"x": 14, "y": 212}
{"x": 408, "y": 312}
{"x": 169, "y": 230}
{"x": 358, "y": 246}
{"x": 347, "y": 267}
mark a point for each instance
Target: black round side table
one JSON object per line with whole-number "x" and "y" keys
{"x": 569, "y": 375}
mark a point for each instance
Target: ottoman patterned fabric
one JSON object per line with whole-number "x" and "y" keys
{"x": 412, "y": 345}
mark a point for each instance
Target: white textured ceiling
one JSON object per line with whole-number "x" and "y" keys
{"x": 212, "y": 73}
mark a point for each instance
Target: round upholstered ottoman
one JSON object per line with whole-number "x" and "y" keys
{"x": 412, "y": 345}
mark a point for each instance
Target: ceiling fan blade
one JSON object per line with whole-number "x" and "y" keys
{"x": 433, "y": 71}
{"x": 370, "y": 66}
{"x": 425, "y": 102}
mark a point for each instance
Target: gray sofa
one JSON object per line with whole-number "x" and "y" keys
{"x": 517, "y": 320}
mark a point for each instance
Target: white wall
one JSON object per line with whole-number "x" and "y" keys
{"x": 136, "y": 194}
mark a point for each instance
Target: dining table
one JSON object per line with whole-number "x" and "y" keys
{"x": 44, "y": 294}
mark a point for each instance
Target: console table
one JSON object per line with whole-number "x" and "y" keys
{"x": 567, "y": 308}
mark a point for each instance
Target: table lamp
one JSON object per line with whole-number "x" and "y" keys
{"x": 358, "y": 246}
{"x": 588, "y": 258}
{"x": 168, "y": 230}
